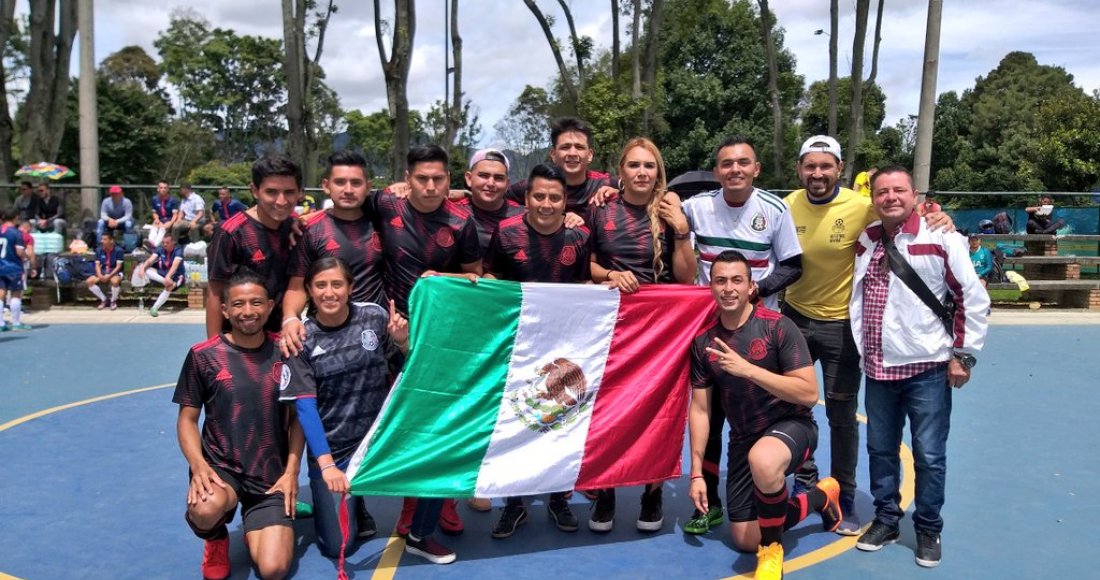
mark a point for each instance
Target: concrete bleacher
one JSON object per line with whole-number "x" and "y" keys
{"x": 1051, "y": 277}
{"x": 46, "y": 291}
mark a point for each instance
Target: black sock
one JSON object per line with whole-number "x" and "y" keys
{"x": 771, "y": 514}
{"x": 799, "y": 506}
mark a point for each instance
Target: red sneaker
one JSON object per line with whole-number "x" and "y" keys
{"x": 215, "y": 559}
{"x": 449, "y": 520}
{"x": 405, "y": 520}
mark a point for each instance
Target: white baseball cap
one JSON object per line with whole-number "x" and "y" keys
{"x": 822, "y": 143}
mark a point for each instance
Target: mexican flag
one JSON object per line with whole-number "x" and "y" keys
{"x": 519, "y": 389}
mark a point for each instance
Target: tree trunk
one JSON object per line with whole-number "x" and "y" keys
{"x": 855, "y": 131}
{"x": 454, "y": 114}
{"x": 577, "y": 52}
{"x": 926, "y": 119}
{"x": 834, "y": 30}
{"x": 42, "y": 118}
{"x": 293, "y": 65}
{"x": 652, "y": 44}
{"x": 615, "y": 72}
{"x": 395, "y": 68}
{"x": 636, "y": 49}
{"x": 878, "y": 39}
{"x": 773, "y": 87}
{"x": 566, "y": 81}
{"x": 7, "y": 128}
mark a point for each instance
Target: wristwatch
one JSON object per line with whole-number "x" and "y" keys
{"x": 967, "y": 360}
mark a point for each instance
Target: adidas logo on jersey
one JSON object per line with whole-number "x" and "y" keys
{"x": 223, "y": 375}
{"x": 258, "y": 257}
{"x": 521, "y": 256}
{"x": 332, "y": 245}
{"x": 397, "y": 223}
{"x": 318, "y": 351}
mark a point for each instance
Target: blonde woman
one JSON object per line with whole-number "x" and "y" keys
{"x": 640, "y": 237}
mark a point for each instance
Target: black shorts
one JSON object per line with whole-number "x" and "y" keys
{"x": 800, "y": 436}
{"x": 259, "y": 510}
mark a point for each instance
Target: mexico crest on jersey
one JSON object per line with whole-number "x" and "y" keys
{"x": 369, "y": 339}
{"x": 281, "y": 371}
{"x": 568, "y": 256}
{"x": 557, "y": 395}
{"x": 759, "y": 223}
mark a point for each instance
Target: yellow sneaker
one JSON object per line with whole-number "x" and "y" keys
{"x": 769, "y": 562}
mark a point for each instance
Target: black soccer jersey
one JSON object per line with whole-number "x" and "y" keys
{"x": 244, "y": 430}
{"x": 621, "y": 241}
{"x": 415, "y": 242}
{"x": 346, "y": 369}
{"x": 357, "y": 243}
{"x": 576, "y": 196}
{"x": 243, "y": 241}
{"x": 488, "y": 221}
{"x": 519, "y": 253}
{"x": 768, "y": 340}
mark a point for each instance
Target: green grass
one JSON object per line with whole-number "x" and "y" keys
{"x": 1005, "y": 295}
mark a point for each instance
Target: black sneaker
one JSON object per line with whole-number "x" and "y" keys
{"x": 429, "y": 549}
{"x": 563, "y": 516}
{"x": 511, "y": 518}
{"x": 877, "y": 536}
{"x": 652, "y": 516}
{"x": 603, "y": 511}
{"x": 928, "y": 549}
{"x": 364, "y": 523}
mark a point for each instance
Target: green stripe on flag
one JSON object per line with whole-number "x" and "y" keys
{"x": 456, "y": 376}
{"x": 732, "y": 243}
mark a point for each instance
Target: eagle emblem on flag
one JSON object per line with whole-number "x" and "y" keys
{"x": 555, "y": 397}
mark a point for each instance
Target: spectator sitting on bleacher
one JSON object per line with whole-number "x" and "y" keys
{"x": 165, "y": 267}
{"x": 982, "y": 259}
{"x": 929, "y": 204}
{"x": 1040, "y": 218}
{"x": 166, "y": 212}
{"x": 115, "y": 213}
{"x": 27, "y": 203}
{"x": 224, "y": 208}
{"x": 1001, "y": 224}
{"x": 192, "y": 214}
{"x": 108, "y": 269}
{"x": 50, "y": 216}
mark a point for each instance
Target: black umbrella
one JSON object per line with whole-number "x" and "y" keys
{"x": 693, "y": 182}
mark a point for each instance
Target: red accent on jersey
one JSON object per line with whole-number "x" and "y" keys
{"x": 521, "y": 256}
{"x": 258, "y": 257}
{"x": 235, "y": 222}
{"x": 397, "y": 223}
{"x": 758, "y": 349}
{"x": 444, "y": 237}
{"x": 224, "y": 374}
{"x": 568, "y": 256}
{"x": 332, "y": 245}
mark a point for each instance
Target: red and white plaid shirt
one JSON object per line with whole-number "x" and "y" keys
{"x": 876, "y": 287}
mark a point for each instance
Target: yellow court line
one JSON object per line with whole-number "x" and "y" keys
{"x": 391, "y": 557}
{"x": 838, "y": 547}
{"x": 51, "y": 410}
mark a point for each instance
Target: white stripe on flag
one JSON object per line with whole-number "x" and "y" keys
{"x": 556, "y": 321}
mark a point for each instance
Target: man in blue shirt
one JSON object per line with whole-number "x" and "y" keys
{"x": 116, "y": 212}
{"x": 108, "y": 269}
{"x": 12, "y": 253}
{"x": 225, "y": 207}
{"x": 165, "y": 267}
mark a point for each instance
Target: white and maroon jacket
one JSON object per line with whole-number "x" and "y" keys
{"x": 911, "y": 332}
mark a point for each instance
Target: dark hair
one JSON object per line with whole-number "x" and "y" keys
{"x": 242, "y": 276}
{"x": 429, "y": 153}
{"x": 730, "y": 257}
{"x": 569, "y": 125}
{"x": 545, "y": 171}
{"x": 730, "y": 141}
{"x": 275, "y": 164}
{"x": 26, "y": 183}
{"x": 9, "y": 214}
{"x": 185, "y": 185}
{"x": 889, "y": 170}
{"x": 164, "y": 181}
{"x": 328, "y": 263}
{"x": 41, "y": 184}
{"x": 347, "y": 158}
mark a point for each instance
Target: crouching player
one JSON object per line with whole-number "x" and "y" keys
{"x": 757, "y": 363}
{"x": 250, "y": 446}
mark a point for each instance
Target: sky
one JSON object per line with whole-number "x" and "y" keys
{"x": 504, "y": 48}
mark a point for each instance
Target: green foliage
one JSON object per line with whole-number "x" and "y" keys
{"x": 372, "y": 135}
{"x": 189, "y": 146}
{"x": 231, "y": 84}
{"x": 132, "y": 64}
{"x": 715, "y": 84}
{"x": 526, "y": 126}
{"x": 221, "y": 173}
{"x": 1068, "y": 150}
{"x": 614, "y": 116}
{"x": 133, "y": 135}
{"x": 986, "y": 140}
{"x": 815, "y": 117}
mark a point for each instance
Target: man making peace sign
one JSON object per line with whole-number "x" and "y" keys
{"x": 761, "y": 367}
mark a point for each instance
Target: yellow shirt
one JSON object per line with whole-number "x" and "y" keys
{"x": 862, "y": 184}
{"x": 828, "y": 233}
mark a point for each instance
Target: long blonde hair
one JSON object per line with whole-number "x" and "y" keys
{"x": 660, "y": 187}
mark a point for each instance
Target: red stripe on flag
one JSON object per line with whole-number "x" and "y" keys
{"x": 637, "y": 428}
